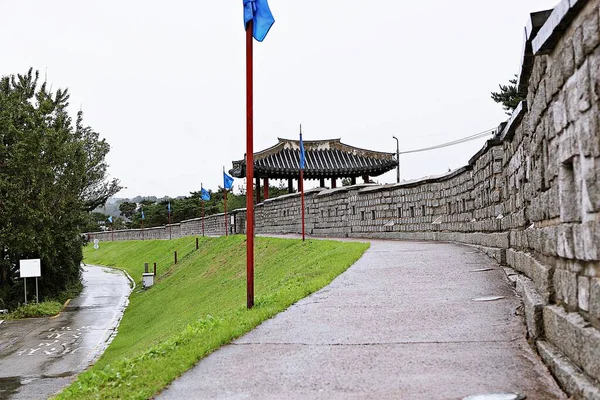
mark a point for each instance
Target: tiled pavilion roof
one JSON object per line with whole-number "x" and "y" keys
{"x": 324, "y": 159}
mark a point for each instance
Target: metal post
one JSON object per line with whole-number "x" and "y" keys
{"x": 202, "y": 217}
{"x": 25, "y": 283}
{"x": 301, "y": 184}
{"x": 249, "y": 171}
{"x": 146, "y": 268}
{"x": 196, "y": 243}
{"x": 37, "y": 298}
{"x": 154, "y": 269}
{"x": 169, "y": 224}
{"x": 397, "y": 159}
{"x": 175, "y": 257}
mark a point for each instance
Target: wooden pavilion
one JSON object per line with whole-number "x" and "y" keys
{"x": 325, "y": 159}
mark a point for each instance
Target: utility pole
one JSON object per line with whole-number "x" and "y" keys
{"x": 397, "y": 159}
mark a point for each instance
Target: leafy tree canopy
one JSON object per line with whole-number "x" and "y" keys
{"x": 52, "y": 172}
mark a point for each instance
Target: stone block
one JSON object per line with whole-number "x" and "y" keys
{"x": 566, "y": 61}
{"x": 594, "y": 60}
{"x": 568, "y": 146}
{"x": 582, "y": 77}
{"x": 565, "y": 287}
{"x": 564, "y": 241}
{"x": 559, "y": 114}
{"x": 590, "y": 352}
{"x": 578, "y": 51}
{"x": 588, "y": 132}
{"x": 591, "y": 32}
{"x": 571, "y": 379}
{"x": 594, "y": 300}
{"x": 569, "y": 192}
{"x": 533, "y": 305}
{"x": 565, "y": 331}
{"x": 583, "y": 292}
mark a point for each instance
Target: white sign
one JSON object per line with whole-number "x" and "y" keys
{"x": 96, "y": 241}
{"x": 30, "y": 268}
{"x": 96, "y": 246}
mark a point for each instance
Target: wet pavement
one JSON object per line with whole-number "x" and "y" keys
{"x": 401, "y": 323}
{"x": 41, "y": 356}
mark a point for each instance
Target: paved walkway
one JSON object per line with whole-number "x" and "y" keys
{"x": 399, "y": 324}
{"x": 39, "y": 357}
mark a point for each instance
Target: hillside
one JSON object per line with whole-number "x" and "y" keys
{"x": 198, "y": 304}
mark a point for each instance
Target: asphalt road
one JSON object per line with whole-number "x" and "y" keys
{"x": 401, "y": 323}
{"x": 39, "y": 357}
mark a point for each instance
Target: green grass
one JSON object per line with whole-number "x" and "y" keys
{"x": 199, "y": 304}
{"x": 32, "y": 310}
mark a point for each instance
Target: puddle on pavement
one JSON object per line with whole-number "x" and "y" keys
{"x": 8, "y": 387}
{"x": 487, "y": 298}
{"x": 11, "y": 385}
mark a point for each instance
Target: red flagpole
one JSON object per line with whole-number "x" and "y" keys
{"x": 301, "y": 184}
{"x": 249, "y": 171}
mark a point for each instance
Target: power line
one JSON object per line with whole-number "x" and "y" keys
{"x": 454, "y": 142}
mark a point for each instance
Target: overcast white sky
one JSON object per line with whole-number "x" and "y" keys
{"x": 164, "y": 81}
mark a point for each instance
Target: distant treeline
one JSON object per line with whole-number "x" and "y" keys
{"x": 182, "y": 208}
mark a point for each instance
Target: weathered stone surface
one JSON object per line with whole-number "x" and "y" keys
{"x": 583, "y": 292}
{"x": 591, "y": 32}
{"x": 570, "y": 377}
{"x": 533, "y": 305}
{"x": 574, "y": 337}
{"x": 595, "y": 298}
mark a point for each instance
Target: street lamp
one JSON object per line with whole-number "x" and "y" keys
{"x": 397, "y": 159}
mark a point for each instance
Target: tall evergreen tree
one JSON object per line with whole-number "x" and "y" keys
{"x": 52, "y": 172}
{"x": 508, "y": 96}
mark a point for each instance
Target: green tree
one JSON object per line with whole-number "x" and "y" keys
{"x": 52, "y": 172}
{"x": 508, "y": 96}
{"x": 127, "y": 209}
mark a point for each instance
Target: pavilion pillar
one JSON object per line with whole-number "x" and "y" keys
{"x": 290, "y": 185}
{"x": 365, "y": 178}
{"x": 322, "y": 183}
{"x": 266, "y": 188}
{"x": 333, "y": 183}
{"x": 257, "y": 179}
{"x": 353, "y": 180}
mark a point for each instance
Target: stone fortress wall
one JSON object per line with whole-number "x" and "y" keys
{"x": 530, "y": 198}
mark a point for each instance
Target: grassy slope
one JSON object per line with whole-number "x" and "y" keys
{"x": 199, "y": 304}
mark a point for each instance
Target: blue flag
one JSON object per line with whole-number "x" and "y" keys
{"x": 258, "y": 11}
{"x": 143, "y": 216}
{"x": 110, "y": 219}
{"x": 227, "y": 181}
{"x": 302, "y": 155}
{"x": 204, "y": 194}
{"x": 169, "y": 207}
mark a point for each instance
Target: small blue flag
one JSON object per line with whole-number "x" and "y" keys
{"x": 204, "y": 194}
{"x": 227, "y": 181}
{"x": 302, "y": 155}
{"x": 143, "y": 216}
{"x": 258, "y": 11}
{"x": 110, "y": 219}
{"x": 169, "y": 206}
